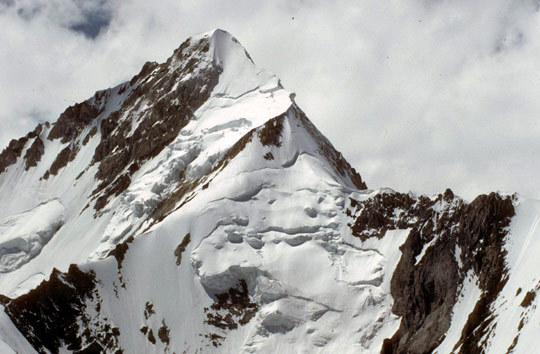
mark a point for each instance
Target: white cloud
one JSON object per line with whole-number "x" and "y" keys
{"x": 418, "y": 95}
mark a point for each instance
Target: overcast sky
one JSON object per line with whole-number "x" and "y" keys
{"x": 418, "y": 94}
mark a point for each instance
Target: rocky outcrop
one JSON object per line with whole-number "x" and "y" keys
{"x": 15, "y": 148}
{"x": 11, "y": 153}
{"x": 425, "y": 290}
{"x": 65, "y": 156}
{"x": 119, "y": 252}
{"x": 483, "y": 227}
{"x": 173, "y": 97}
{"x": 270, "y": 134}
{"x": 74, "y": 120}
{"x": 34, "y": 153}
{"x": 51, "y": 315}
{"x": 426, "y": 280}
{"x": 181, "y": 248}
{"x": 231, "y": 308}
{"x": 374, "y": 216}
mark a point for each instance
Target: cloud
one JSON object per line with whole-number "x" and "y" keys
{"x": 87, "y": 17}
{"x": 417, "y": 94}
{"x": 6, "y": 3}
{"x": 95, "y": 17}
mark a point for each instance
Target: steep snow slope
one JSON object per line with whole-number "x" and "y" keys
{"x": 197, "y": 209}
{"x": 217, "y": 124}
{"x": 277, "y": 229}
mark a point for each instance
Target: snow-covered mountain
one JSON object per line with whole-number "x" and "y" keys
{"x": 196, "y": 209}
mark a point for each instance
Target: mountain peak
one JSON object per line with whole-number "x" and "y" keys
{"x": 205, "y": 129}
{"x": 224, "y": 47}
{"x": 196, "y": 208}
{"x": 227, "y": 49}
{"x": 219, "y": 48}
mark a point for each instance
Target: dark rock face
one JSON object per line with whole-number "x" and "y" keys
{"x": 73, "y": 121}
{"x": 34, "y": 153}
{"x": 164, "y": 333}
{"x": 270, "y": 134}
{"x": 232, "y": 308}
{"x": 481, "y": 235}
{"x": 528, "y": 299}
{"x": 146, "y": 330}
{"x": 172, "y": 91}
{"x": 181, "y": 248}
{"x": 65, "y": 156}
{"x": 425, "y": 290}
{"x": 49, "y": 315}
{"x": 373, "y": 217}
{"x": 11, "y": 153}
{"x": 119, "y": 252}
{"x": 173, "y": 96}
{"x": 425, "y": 293}
{"x": 14, "y": 150}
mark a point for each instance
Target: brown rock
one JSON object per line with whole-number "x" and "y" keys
{"x": 425, "y": 293}
{"x": 65, "y": 156}
{"x": 34, "y": 153}
{"x": 73, "y": 121}
{"x": 14, "y": 150}
{"x": 157, "y": 127}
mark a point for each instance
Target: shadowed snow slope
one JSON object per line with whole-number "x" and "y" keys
{"x": 197, "y": 209}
